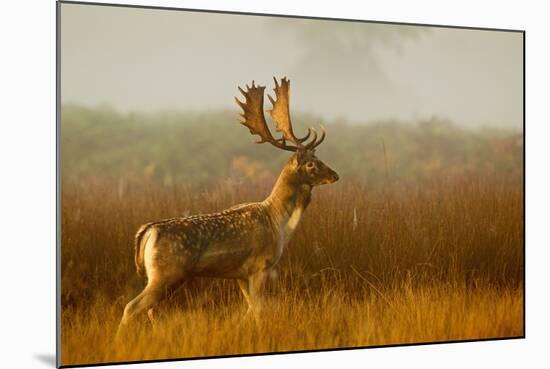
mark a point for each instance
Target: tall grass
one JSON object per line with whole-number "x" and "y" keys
{"x": 416, "y": 260}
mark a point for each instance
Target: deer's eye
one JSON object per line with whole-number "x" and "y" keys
{"x": 310, "y": 165}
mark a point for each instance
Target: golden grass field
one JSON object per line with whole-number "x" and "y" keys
{"x": 407, "y": 261}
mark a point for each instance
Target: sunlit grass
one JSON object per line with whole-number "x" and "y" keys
{"x": 407, "y": 261}
{"x": 293, "y": 321}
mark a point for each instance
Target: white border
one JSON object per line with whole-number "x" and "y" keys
{"x": 27, "y": 80}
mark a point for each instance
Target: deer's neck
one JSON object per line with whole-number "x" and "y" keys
{"x": 287, "y": 202}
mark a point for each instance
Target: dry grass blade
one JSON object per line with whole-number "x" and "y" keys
{"x": 371, "y": 285}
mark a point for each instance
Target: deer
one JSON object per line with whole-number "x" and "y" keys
{"x": 244, "y": 242}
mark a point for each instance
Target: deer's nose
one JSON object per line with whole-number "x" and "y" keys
{"x": 334, "y": 176}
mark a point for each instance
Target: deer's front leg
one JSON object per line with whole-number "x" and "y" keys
{"x": 243, "y": 284}
{"x": 255, "y": 283}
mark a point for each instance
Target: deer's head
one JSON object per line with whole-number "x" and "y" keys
{"x": 308, "y": 169}
{"x": 303, "y": 167}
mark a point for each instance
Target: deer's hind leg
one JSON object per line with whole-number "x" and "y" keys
{"x": 154, "y": 292}
{"x": 151, "y": 295}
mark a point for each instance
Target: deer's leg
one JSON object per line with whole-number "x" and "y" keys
{"x": 147, "y": 298}
{"x": 255, "y": 282}
{"x": 152, "y": 319}
{"x": 151, "y": 295}
{"x": 243, "y": 284}
{"x": 154, "y": 313}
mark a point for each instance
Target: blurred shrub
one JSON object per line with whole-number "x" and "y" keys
{"x": 196, "y": 147}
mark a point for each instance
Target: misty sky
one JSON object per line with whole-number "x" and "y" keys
{"x": 143, "y": 59}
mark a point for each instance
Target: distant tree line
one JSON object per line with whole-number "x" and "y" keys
{"x": 197, "y": 147}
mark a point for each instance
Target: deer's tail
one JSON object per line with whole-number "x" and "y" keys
{"x": 138, "y": 248}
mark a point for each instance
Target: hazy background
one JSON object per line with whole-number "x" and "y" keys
{"x": 149, "y": 60}
{"x": 148, "y": 97}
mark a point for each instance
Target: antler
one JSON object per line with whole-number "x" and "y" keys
{"x": 314, "y": 143}
{"x": 281, "y": 116}
{"x": 255, "y": 121}
{"x": 254, "y": 116}
{"x": 281, "y": 111}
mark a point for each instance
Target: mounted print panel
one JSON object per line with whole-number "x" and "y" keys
{"x": 239, "y": 184}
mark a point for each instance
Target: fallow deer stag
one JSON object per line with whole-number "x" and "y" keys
{"x": 245, "y": 241}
